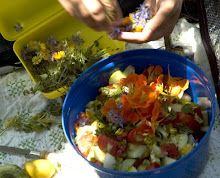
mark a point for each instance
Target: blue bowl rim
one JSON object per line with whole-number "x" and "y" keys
{"x": 163, "y": 168}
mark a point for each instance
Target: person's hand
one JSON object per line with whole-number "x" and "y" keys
{"x": 97, "y": 14}
{"x": 165, "y": 12}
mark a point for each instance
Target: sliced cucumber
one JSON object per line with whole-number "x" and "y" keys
{"x": 116, "y": 76}
{"x": 144, "y": 165}
{"x": 180, "y": 140}
{"x": 177, "y": 107}
{"x": 167, "y": 160}
{"x": 126, "y": 164}
{"x": 129, "y": 70}
{"x": 204, "y": 102}
{"x": 132, "y": 169}
{"x": 110, "y": 161}
{"x": 154, "y": 158}
{"x": 136, "y": 151}
{"x": 205, "y": 118}
{"x": 97, "y": 153}
{"x": 157, "y": 151}
{"x": 186, "y": 97}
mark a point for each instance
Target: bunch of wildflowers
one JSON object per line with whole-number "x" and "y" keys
{"x": 137, "y": 20}
{"x": 56, "y": 64}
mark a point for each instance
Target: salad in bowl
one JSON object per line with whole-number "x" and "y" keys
{"x": 140, "y": 121}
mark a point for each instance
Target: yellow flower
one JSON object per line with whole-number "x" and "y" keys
{"x": 45, "y": 54}
{"x": 34, "y": 45}
{"x": 58, "y": 55}
{"x": 36, "y": 60}
{"x": 43, "y": 46}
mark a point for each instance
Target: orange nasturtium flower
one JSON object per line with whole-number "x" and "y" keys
{"x": 176, "y": 85}
{"x": 134, "y": 81}
{"x": 152, "y": 73}
{"x": 129, "y": 113}
{"x": 58, "y": 55}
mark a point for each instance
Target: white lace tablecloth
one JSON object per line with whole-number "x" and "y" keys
{"x": 14, "y": 102}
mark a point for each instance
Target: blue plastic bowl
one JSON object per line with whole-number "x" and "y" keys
{"x": 85, "y": 89}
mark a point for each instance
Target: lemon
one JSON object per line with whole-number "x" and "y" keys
{"x": 115, "y": 77}
{"x": 40, "y": 168}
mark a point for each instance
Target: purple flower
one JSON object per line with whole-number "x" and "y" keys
{"x": 18, "y": 27}
{"x": 115, "y": 117}
{"x": 115, "y": 33}
{"x": 77, "y": 40}
{"x": 52, "y": 41}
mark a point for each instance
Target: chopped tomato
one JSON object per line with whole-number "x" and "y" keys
{"x": 138, "y": 162}
{"x": 136, "y": 136}
{"x": 170, "y": 149}
{"x": 198, "y": 111}
{"x": 86, "y": 142}
{"x": 188, "y": 120}
{"x": 115, "y": 148}
{"x": 153, "y": 165}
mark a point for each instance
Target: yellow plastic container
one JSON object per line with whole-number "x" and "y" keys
{"x": 41, "y": 19}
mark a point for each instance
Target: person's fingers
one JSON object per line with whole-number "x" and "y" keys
{"x": 90, "y": 12}
{"x": 161, "y": 25}
{"x": 112, "y": 9}
{"x": 67, "y": 6}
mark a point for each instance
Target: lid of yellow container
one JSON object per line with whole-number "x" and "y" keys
{"x": 17, "y": 17}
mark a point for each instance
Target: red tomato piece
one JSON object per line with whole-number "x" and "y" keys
{"x": 136, "y": 135}
{"x": 86, "y": 142}
{"x": 138, "y": 162}
{"x": 170, "y": 149}
{"x": 115, "y": 148}
{"x": 153, "y": 165}
{"x": 188, "y": 120}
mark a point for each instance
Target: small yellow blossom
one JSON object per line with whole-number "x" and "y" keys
{"x": 36, "y": 60}
{"x": 34, "y": 45}
{"x": 46, "y": 54}
{"x": 58, "y": 55}
{"x": 138, "y": 28}
{"x": 43, "y": 46}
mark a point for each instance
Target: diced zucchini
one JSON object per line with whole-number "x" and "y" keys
{"x": 167, "y": 160}
{"x": 91, "y": 154}
{"x": 157, "y": 151}
{"x": 186, "y": 97}
{"x": 128, "y": 71}
{"x": 205, "y": 118}
{"x": 126, "y": 164}
{"x": 180, "y": 140}
{"x": 198, "y": 119}
{"x": 116, "y": 76}
{"x": 136, "y": 151}
{"x": 154, "y": 158}
{"x": 177, "y": 107}
{"x": 162, "y": 131}
{"x": 99, "y": 154}
{"x": 204, "y": 102}
{"x": 144, "y": 165}
{"x": 132, "y": 169}
{"x": 109, "y": 161}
